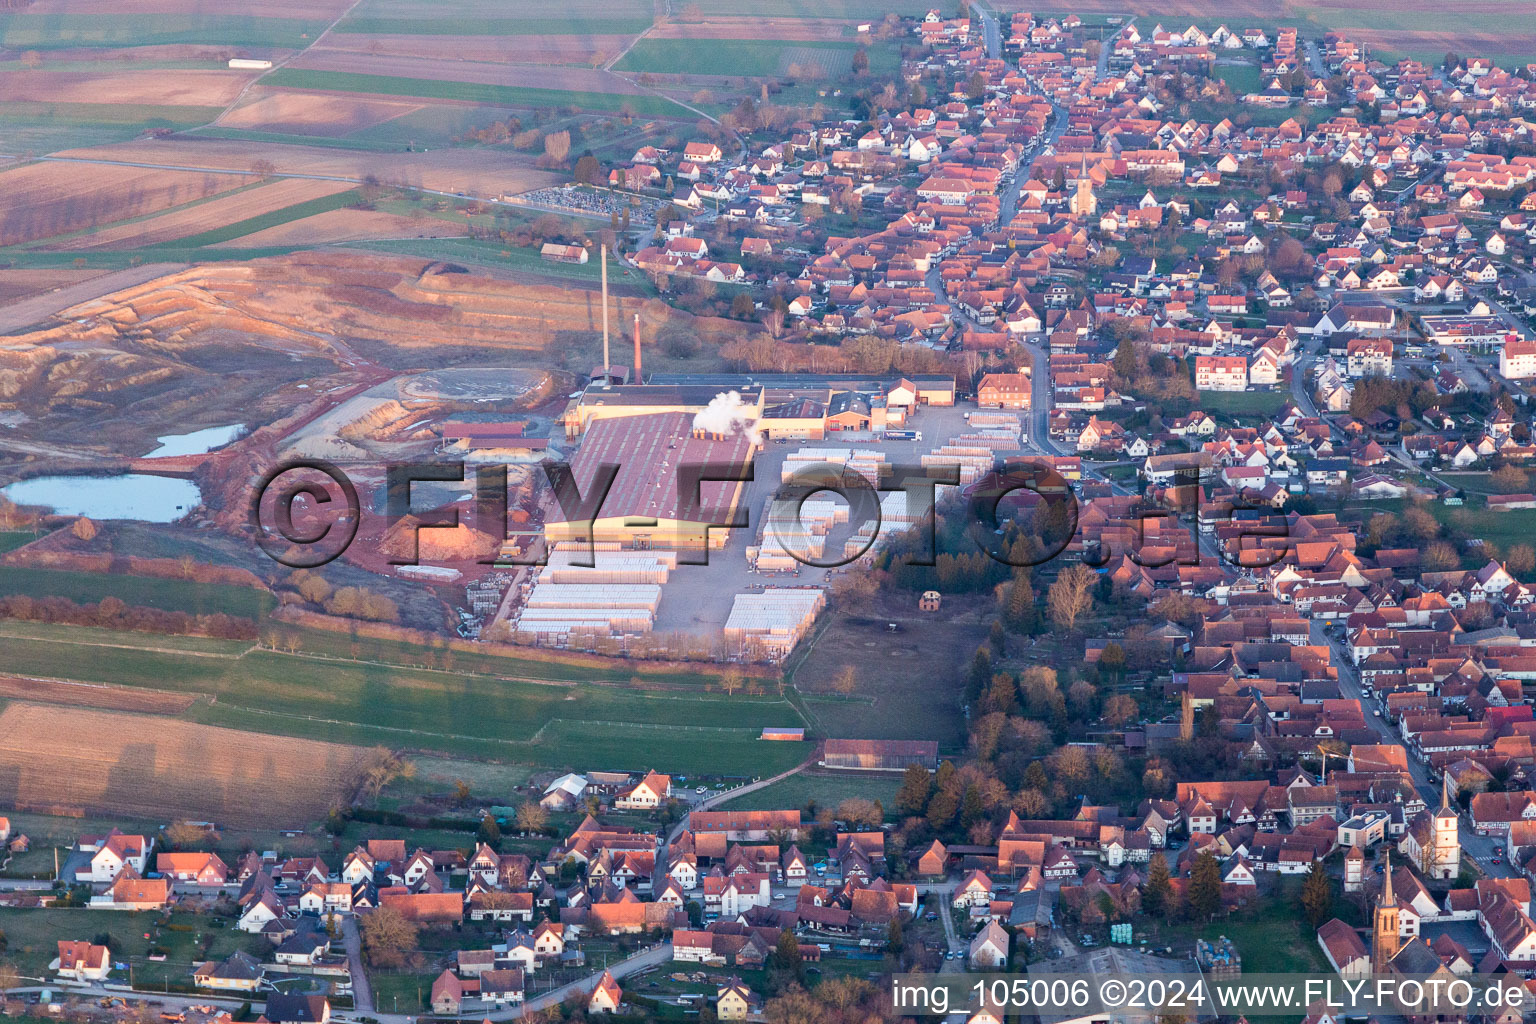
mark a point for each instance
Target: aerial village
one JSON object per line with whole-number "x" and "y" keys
{"x": 1283, "y": 362}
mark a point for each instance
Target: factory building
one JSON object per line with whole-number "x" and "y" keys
{"x": 645, "y": 507}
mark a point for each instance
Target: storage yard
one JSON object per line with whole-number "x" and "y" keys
{"x": 646, "y": 571}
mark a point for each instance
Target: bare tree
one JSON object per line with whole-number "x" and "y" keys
{"x": 1071, "y": 596}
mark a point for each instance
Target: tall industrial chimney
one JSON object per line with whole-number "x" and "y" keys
{"x": 607, "y": 371}
{"x": 637, "y": 378}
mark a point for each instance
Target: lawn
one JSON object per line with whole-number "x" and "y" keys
{"x": 826, "y": 789}
{"x": 58, "y": 31}
{"x": 1269, "y": 933}
{"x": 33, "y": 937}
{"x": 449, "y": 710}
{"x": 404, "y": 992}
{"x": 188, "y": 596}
{"x": 470, "y": 92}
{"x": 1241, "y": 78}
{"x": 1242, "y": 403}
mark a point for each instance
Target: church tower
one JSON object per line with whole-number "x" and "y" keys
{"x": 1447, "y": 856}
{"x": 1385, "y": 940}
{"x": 1084, "y": 202}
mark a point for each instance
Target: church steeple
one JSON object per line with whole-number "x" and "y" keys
{"x": 1385, "y": 941}
{"x": 1445, "y": 796}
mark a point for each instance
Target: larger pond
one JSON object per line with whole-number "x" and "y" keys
{"x": 154, "y": 499}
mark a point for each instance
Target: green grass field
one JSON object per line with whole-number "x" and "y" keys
{"x": 514, "y": 27}
{"x": 10, "y": 540}
{"x": 170, "y": 595}
{"x": 825, "y": 788}
{"x": 57, "y": 31}
{"x": 1242, "y": 403}
{"x": 491, "y": 17}
{"x": 755, "y": 57}
{"x": 453, "y": 710}
{"x": 33, "y": 937}
{"x": 470, "y": 92}
{"x": 1241, "y": 78}
{"x": 29, "y": 127}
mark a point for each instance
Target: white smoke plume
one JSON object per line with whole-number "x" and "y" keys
{"x": 726, "y": 414}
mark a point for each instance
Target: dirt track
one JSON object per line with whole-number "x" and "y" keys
{"x": 37, "y": 308}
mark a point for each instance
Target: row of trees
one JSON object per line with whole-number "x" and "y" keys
{"x": 114, "y": 613}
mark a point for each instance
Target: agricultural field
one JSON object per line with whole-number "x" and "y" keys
{"x": 159, "y": 768}
{"x": 322, "y": 691}
{"x": 489, "y": 17}
{"x": 63, "y": 24}
{"x": 762, "y": 57}
{"x": 347, "y": 226}
{"x": 226, "y": 210}
{"x": 41, "y": 200}
{"x": 471, "y": 92}
{"x": 319, "y": 114}
{"x": 166, "y": 87}
{"x": 107, "y": 698}
{"x": 478, "y": 172}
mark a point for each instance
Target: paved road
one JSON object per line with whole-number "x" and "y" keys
{"x": 990, "y": 31}
{"x": 653, "y": 957}
{"x": 715, "y": 799}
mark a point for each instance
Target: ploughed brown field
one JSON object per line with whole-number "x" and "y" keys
{"x": 53, "y": 198}
{"x": 108, "y": 698}
{"x": 159, "y": 87}
{"x": 312, "y": 113}
{"x": 75, "y": 761}
{"x": 347, "y": 226}
{"x": 476, "y": 171}
{"x": 450, "y": 69}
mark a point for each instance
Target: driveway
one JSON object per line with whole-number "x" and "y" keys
{"x": 362, "y": 991}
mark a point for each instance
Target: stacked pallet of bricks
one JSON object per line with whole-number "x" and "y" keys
{"x": 899, "y": 512}
{"x": 788, "y": 531}
{"x": 770, "y": 624}
{"x": 974, "y": 461}
{"x": 616, "y": 594}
